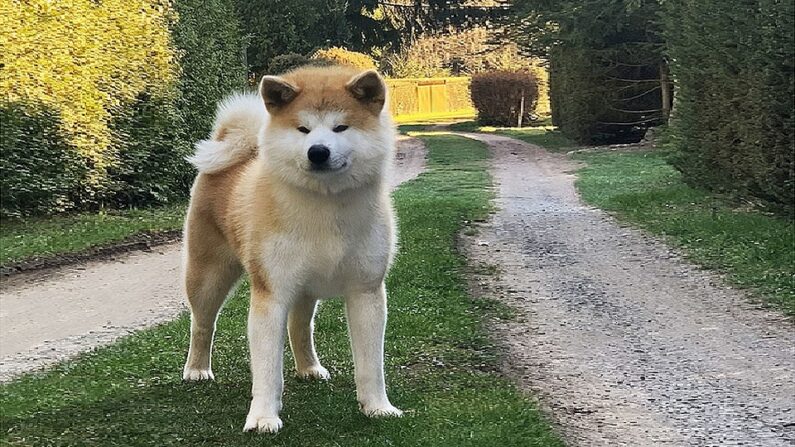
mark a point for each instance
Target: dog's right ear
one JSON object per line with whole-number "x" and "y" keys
{"x": 276, "y": 92}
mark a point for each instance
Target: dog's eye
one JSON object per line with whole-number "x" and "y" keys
{"x": 303, "y": 129}
{"x": 340, "y": 128}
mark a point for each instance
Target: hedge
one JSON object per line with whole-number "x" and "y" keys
{"x": 733, "y": 119}
{"x": 39, "y": 170}
{"x": 126, "y": 86}
{"x": 598, "y": 100}
{"x": 212, "y": 60}
{"x": 500, "y": 96}
{"x": 341, "y": 56}
{"x": 83, "y": 61}
{"x": 606, "y": 61}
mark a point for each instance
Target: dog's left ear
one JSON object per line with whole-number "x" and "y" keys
{"x": 277, "y": 92}
{"x": 369, "y": 88}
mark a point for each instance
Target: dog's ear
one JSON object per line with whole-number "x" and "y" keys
{"x": 276, "y": 92}
{"x": 369, "y": 88}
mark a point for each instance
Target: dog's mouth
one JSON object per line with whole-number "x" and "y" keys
{"x": 328, "y": 169}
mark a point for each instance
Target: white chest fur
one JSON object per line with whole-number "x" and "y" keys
{"x": 330, "y": 245}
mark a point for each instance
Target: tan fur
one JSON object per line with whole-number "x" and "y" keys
{"x": 241, "y": 215}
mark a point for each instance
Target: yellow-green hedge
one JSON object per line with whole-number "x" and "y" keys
{"x": 84, "y": 59}
{"x": 427, "y": 96}
{"x": 100, "y": 100}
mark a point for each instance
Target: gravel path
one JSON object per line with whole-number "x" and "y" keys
{"x": 625, "y": 343}
{"x": 51, "y": 316}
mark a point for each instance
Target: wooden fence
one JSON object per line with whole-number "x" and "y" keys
{"x": 430, "y": 96}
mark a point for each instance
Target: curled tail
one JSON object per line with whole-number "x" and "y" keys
{"x": 238, "y": 121}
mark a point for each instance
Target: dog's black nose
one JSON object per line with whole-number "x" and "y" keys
{"x": 318, "y": 154}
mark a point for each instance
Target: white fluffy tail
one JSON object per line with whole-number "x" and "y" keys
{"x": 238, "y": 121}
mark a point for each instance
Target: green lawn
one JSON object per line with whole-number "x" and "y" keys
{"x": 440, "y": 362}
{"x": 24, "y": 238}
{"x": 755, "y": 249}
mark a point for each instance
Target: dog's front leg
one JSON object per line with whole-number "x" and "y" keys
{"x": 267, "y": 320}
{"x": 366, "y": 313}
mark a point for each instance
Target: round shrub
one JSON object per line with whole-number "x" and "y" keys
{"x": 290, "y": 61}
{"x": 341, "y": 56}
{"x": 286, "y": 62}
{"x": 497, "y": 96}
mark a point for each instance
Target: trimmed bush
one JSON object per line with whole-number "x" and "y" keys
{"x": 341, "y": 56}
{"x": 497, "y": 96}
{"x": 733, "y": 124}
{"x": 83, "y": 60}
{"x": 212, "y": 61}
{"x": 286, "y": 62}
{"x": 39, "y": 170}
{"x": 113, "y": 94}
{"x": 150, "y": 148}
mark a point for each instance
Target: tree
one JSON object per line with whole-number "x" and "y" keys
{"x": 608, "y": 71}
{"x": 277, "y": 27}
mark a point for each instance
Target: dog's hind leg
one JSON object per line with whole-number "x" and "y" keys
{"x": 210, "y": 272}
{"x": 300, "y": 326}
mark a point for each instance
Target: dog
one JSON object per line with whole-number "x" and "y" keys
{"x": 293, "y": 190}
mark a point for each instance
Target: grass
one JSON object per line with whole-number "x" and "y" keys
{"x": 24, "y": 238}
{"x": 541, "y": 134}
{"x": 440, "y": 362}
{"x": 756, "y": 250}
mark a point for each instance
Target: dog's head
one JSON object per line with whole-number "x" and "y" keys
{"x": 328, "y": 129}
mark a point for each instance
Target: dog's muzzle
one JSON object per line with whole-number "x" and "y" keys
{"x": 318, "y": 155}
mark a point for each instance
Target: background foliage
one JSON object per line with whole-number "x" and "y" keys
{"x": 342, "y": 56}
{"x": 84, "y": 61}
{"x": 498, "y": 97}
{"x": 102, "y": 99}
{"x": 614, "y": 62}
{"x": 733, "y": 124}
{"x": 606, "y": 57}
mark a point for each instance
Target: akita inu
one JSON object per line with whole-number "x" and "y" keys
{"x": 292, "y": 188}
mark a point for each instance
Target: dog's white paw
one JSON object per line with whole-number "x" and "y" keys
{"x": 262, "y": 424}
{"x": 386, "y": 410}
{"x": 193, "y": 375}
{"x": 313, "y": 372}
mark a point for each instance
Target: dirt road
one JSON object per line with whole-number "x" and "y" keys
{"x": 50, "y": 316}
{"x": 624, "y": 343}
